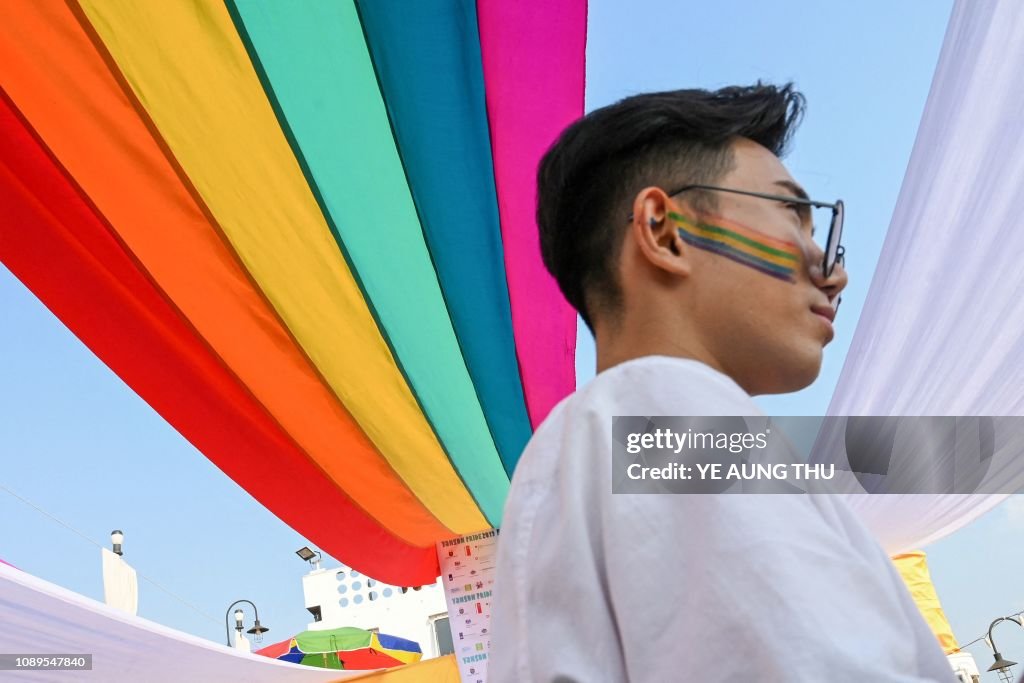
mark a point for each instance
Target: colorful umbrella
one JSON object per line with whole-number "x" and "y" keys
{"x": 303, "y": 232}
{"x": 345, "y": 648}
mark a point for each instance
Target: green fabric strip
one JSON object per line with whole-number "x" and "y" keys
{"x": 317, "y": 71}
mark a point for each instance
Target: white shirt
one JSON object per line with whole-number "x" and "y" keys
{"x": 592, "y": 586}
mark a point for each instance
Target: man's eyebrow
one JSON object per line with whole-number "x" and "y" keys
{"x": 798, "y": 191}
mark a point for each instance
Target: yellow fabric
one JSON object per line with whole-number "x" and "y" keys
{"x": 51, "y": 70}
{"x": 913, "y": 567}
{"x": 188, "y": 67}
{"x": 437, "y": 670}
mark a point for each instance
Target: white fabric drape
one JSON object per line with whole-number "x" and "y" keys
{"x": 942, "y": 330}
{"x": 120, "y": 583}
{"x": 37, "y": 617}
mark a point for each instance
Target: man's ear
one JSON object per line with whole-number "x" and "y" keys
{"x": 655, "y": 233}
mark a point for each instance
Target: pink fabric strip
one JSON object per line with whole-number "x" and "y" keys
{"x": 534, "y": 57}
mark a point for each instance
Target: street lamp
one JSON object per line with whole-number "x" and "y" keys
{"x": 1001, "y": 665}
{"x": 117, "y": 538}
{"x": 256, "y": 631}
{"x": 306, "y": 554}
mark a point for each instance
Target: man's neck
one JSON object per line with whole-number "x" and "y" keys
{"x": 625, "y": 343}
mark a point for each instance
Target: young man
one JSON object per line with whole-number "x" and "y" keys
{"x": 672, "y": 226}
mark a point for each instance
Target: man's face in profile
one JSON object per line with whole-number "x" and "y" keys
{"x": 767, "y": 332}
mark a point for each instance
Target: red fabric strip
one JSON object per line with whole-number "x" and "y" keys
{"x": 58, "y": 245}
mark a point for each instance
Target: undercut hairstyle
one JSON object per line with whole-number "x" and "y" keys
{"x": 587, "y": 181}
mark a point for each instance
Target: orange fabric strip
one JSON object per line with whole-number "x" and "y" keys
{"x": 63, "y": 250}
{"x": 53, "y": 73}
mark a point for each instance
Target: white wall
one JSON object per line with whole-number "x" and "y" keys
{"x": 347, "y": 598}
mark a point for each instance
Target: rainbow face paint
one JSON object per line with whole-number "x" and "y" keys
{"x": 774, "y": 257}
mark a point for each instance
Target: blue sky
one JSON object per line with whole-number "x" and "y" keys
{"x": 80, "y": 445}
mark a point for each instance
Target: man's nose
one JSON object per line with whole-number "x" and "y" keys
{"x": 835, "y": 282}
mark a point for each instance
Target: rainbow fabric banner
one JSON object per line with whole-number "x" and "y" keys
{"x": 303, "y": 232}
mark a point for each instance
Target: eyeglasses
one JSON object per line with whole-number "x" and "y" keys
{"x": 834, "y": 251}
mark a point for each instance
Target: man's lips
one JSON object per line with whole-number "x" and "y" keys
{"x": 826, "y": 312}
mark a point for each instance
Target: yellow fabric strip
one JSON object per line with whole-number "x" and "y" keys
{"x": 913, "y": 567}
{"x": 438, "y": 670}
{"x": 188, "y": 67}
{"x": 51, "y": 70}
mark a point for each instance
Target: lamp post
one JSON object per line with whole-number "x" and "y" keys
{"x": 117, "y": 538}
{"x": 256, "y": 631}
{"x": 1001, "y": 665}
{"x": 306, "y": 554}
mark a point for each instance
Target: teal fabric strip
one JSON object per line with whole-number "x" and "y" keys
{"x": 317, "y": 71}
{"x": 427, "y": 57}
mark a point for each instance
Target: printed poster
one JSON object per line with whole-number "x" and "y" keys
{"x": 467, "y": 573}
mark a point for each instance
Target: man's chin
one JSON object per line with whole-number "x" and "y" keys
{"x": 790, "y": 376}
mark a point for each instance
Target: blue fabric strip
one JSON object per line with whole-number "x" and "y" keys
{"x": 427, "y": 58}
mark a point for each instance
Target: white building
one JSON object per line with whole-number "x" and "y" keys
{"x": 344, "y": 597}
{"x": 964, "y": 667}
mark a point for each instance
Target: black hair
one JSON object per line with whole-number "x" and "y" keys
{"x": 587, "y": 181}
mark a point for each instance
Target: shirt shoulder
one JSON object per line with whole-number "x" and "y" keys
{"x": 666, "y": 386}
{"x": 574, "y": 442}
{"x": 664, "y": 381}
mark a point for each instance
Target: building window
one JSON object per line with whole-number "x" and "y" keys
{"x": 442, "y": 634}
